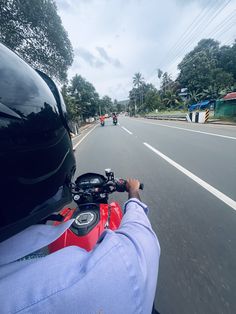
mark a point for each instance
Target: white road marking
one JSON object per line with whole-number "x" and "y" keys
{"x": 126, "y": 130}
{"x": 190, "y": 130}
{"x": 77, "y": 144}
{"x": 224, "y": 198}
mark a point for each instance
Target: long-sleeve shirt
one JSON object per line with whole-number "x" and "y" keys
{"x": 118, "y": 276}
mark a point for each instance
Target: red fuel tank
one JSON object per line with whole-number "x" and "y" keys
{"x": 90, "y": 221}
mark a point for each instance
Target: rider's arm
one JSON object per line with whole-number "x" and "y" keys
{"x": 118, "y": 276}
{"x": 141, "y": 248}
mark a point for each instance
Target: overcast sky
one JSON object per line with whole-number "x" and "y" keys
{"x": 113, "y": 39}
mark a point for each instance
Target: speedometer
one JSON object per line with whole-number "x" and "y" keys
{"x": 95, "y": 181}
{"x": 89, "y": 180}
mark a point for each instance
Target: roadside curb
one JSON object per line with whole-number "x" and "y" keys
{"x": 184, "y": 120}
{"x": 221, "y": 123}
{"x": 82, "y": 129}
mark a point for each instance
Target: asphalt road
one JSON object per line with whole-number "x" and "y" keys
{"x": 189, "y": 172}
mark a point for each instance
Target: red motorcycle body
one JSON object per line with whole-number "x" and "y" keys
{"x": 90, "y": 222}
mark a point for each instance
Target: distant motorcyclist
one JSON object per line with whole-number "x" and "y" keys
{"x": 114, "y": 118}
{"x": 37, "y": 165}
{"x": 102, "y": 120}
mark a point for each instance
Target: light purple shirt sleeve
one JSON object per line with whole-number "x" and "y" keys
{"x": 118, "y": 276}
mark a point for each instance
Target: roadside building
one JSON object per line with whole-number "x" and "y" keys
{"x": 226, "y": 107}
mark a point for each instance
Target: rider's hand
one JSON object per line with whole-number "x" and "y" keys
{"x": 132, "y": 186}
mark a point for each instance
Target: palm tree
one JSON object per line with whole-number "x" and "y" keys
{"x": 138, "y": 81}
{"x": 171, "y": 99}
{"x": 194, "y": 96}
{"x": 159, "y": 73}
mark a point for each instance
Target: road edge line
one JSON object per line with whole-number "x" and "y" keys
{"x": 189, "y": 130}
{"x": 221, "y": 196}
{"x": 80, "y": 141}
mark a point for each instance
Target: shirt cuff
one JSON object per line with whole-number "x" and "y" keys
{"x": 135, "y": 201}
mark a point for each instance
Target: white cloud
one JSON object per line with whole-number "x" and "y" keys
{"x": 113, "y": 39}
{"x": 107, "y": 58}
{"x": 88, "y": 57}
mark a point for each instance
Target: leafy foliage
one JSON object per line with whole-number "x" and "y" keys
{"x": 73, "y": 110}
{"x": 208, "y": 68}
{"x": 106, "y": 105}
{"x": 207, "y": 72}
{"x": 34, "y": 30}
{"x": 159, "y": 73}
{"x": 84, "y": 96}
{"x": 227, "y": 59}
{"x": 82, "y": 100}
{"x": 143, "y": 98}
{"x": 166, "y": 82}
{"x": 138, "y": 79}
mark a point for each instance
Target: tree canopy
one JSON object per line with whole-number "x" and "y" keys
{"x": 33, "y": 29}
{"x": 206, "y": 72}
{"x": 84, "y": 96}
{"x": 208, "y": 67}
{"x": 82, "y": 100}
{"x": 138, "y": 79}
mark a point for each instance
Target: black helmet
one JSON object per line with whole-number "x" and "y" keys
{"x": 36, "y": 155}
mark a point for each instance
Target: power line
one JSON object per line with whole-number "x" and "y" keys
{"x": 185, "y": 34}
{"x": 218, "y": 28}
{"x": 229, "y": 42}
{"x": 229, "y": 18}
{"x": 192, "y": 59}
{"x": 194, "y": 32}
{"x": 198, "y": 31}
{"x": 191, "y": 40}
{"x": 222, "y": 31}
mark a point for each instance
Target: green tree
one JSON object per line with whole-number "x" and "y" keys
{"x": 208, "y": 69}
{"x": 159, "y": 73}
{"x": 196, "y": 67}
{"x": 85, "y": 96}
{"x": 118, "y": 107}
{"x": 166, "y": 82}
{"x": 227, "y": 59}
{"x": 138, "y": 82}
{"x": 171, "y": 99}
{"x": 106, "y": 105}
{"x": 194, "y": 97}
{"x": 70, "y": 102}
{"x": 34, "y": 30}
{"x": 152, "y": 99}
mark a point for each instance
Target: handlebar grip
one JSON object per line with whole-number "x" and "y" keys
{"x": 121, "y": 185}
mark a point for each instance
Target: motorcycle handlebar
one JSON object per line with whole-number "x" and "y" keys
{"x": 121, "y": 185}
{"x": 115, "y": 185}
